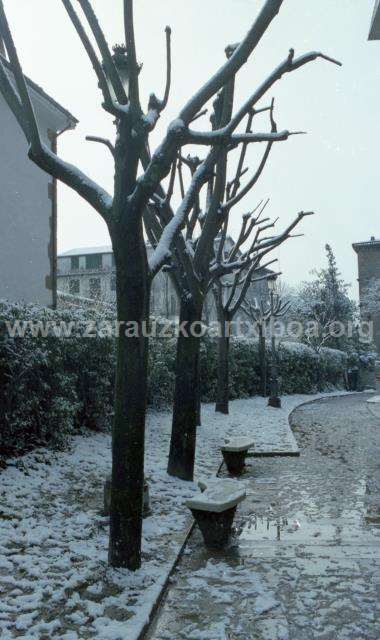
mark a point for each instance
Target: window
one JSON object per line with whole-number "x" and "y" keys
{"x": 74, "y": 263}
{"x": 94, "y": 261}
{"x": 113, "y": 261}
{"x": 95, "y": 288}
{"x": 74, "y": 287}
{"x": 113, "y": 283}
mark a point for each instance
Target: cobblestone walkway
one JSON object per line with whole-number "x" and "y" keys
{"x": 305, "y": 560}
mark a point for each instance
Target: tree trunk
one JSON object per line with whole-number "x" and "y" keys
{"x": 223, "y": 386}
{"x": 128, "y": 433}
{"x": 263, "y": 362}
{"x": 199, "y": 392}
{"x": 186, "y": 394}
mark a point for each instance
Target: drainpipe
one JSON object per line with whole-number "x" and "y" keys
{"x": 53, "y": 194}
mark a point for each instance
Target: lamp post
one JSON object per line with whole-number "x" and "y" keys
{"x": 274, "y": 400}
{"x": 122, "y": 64}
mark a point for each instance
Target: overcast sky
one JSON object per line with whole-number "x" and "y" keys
{"x": 334, "y": 170}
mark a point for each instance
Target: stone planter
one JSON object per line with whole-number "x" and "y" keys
{"x": 214, "y": 510}
{"x": 234, "y": 454}
{"x": 215, "y": 527}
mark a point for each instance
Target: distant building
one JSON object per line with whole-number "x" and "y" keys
{"x": 89, "y": 273}
{"x": 28, "y": 202}
{"x": 374, "y": 33}
{"x": 369, "y": 270}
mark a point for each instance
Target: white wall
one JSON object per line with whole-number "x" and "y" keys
{"x": 25, "y": 211}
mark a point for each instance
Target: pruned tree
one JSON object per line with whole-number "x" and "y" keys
{"x": 138, "y": 178}
{"x": 261, "y": 313}
{"x": 246, "y": 265}
{"x": 207, "y": 200}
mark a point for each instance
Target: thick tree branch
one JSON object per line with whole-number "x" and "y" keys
{"x": 70, "y": 175}
{"x": 234, "y": 63}
{"x": 223, "y": 137}
{"x": 179, "y": 220}
{"x": 29, "y": 115}
{"x": 109, "y": 104}
{"x": 12, "y": 99}
{"x": 108, "y": 62}
{"x": 134, "y": 69}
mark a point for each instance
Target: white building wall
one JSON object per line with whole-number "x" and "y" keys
{"x": 25, "y": 211}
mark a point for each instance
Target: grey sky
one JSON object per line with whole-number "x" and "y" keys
{"x": 334, "y": 170}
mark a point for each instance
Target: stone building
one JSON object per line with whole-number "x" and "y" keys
{"x": 369, "y": 271}
{"x": 89, "y": 273}
{"x": 28, "y": 202}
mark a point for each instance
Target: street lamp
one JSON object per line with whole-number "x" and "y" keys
{"x": 274, "y": 400}
{"x": 122, "y": 64}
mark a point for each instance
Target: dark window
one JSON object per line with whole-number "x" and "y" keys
{"x": 74, "y": 263}
{"x": 94, "y": 287}
{"x": 113, "y": 260}
{"x": 94, "y": 261}
{"x": 74, "y": 287}
{"x": 113, "y": 283}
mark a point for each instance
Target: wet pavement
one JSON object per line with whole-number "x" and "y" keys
{"x": 304, "y": 562}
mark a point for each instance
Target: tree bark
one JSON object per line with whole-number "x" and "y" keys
{"x": 223, "y": 385}
{"x": 128, "y": 432}
{"x": 186, "y": 394}
{"x": 263, "y": 363}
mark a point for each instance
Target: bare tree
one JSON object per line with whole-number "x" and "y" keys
{"x": 261, "y": 313}
{"x": 208, "y": 200}
{"x": 123, "y": 211}
{"x": 230, "y": 295}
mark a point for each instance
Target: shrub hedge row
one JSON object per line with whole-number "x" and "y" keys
{"x": 52, "y": 386}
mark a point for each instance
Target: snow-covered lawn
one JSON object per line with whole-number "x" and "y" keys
{"x": 54, "y": 578}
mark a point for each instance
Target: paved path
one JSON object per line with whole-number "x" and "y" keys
{"x": 304, "y": 563}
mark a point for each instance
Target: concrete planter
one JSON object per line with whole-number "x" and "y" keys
{"x": 214, "y": 510}
{"x": 234, "y": 454}
{"x": 235, "y": 461}
{"x": 216, "y": 528}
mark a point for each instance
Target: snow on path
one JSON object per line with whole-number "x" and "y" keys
{"x": 54, "y": 578}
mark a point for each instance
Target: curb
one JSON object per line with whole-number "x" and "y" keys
{"x": 160, "y": 596}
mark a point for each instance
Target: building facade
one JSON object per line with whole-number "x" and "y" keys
{"x": 368, "y": 273}
{"x": 89, "y": 274}
{"x": 28, "y": 203}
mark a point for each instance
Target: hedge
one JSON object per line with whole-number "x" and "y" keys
{"x": 51, "y": 386}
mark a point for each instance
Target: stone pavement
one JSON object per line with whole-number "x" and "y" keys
{"x": 304, "y": 563}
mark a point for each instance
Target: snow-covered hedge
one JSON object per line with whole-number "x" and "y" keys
{"x": 300, "y": 368}
{"x": 50, "y": 386}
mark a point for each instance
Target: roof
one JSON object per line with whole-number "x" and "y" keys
{"x": 373, "y": 242}
{"x": 85, "y": 251}
{"x": 374, "y": 33}
{"x": 43, "y": 94}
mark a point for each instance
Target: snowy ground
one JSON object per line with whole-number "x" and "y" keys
{"x": 54, "y": 579}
